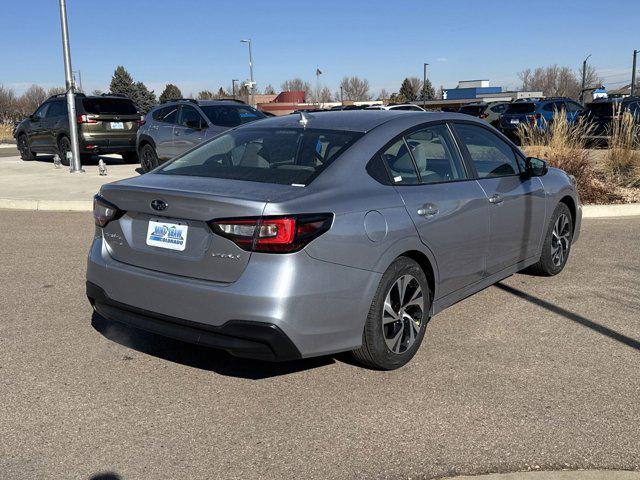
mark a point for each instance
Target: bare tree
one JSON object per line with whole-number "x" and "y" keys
{"x": 325, "y": 95}
{"x": 269, "y": 90}
{"x": 355, "y": 89}
{"x": 205, "y": 95}
{"x": 383, "y": 95}
{"x": 30, "y": 100}
{"x": 297, "y": 84}
{"x": 55, "y": 91}
{"x": 8, "y": 104}
{"x": 555, "y": 81}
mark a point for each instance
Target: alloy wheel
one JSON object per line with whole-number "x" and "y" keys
{"x": 402, "y": 314}
{"x": 147, "y": 160}
{"x": 560, "y": 240}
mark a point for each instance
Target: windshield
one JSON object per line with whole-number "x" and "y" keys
{"x": 473, "y": 109}
{"x": 602, "y": 109}
{"x": 120, "y": 106}
{"x": 283, "y": 156}
{"x": 231, "y": 115}
{"x": 524, "y": 107}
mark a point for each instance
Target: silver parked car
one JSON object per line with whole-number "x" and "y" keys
{"x": 176, "y": 126}
{"x": 312, "y": 234}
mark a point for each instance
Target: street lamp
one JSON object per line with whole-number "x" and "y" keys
{"x": 633, "y": 73}
{"x": 71, "y": 100}
{"x": 424, "y": 85}
{"x": 584, "y": 78}
{"x": 248, "y": 41}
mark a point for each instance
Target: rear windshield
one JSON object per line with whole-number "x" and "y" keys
{"x": 473, "y": 109}
{"x": 601, "y": 109}
{"x": 231, "y": 115}
{"x": 523, "y": 107}
{"x": 120, "y": 106}
{"x": 283, "y": 156}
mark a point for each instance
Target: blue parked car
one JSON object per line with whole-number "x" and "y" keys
{"x": 537, "y": 113}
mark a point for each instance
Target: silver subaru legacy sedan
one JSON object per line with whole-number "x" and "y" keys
{"x": 313, "y": 234}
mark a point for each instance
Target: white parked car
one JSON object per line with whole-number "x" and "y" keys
{"x": 404, "y": 106}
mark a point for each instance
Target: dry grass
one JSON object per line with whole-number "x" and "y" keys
{"x": 622, "y": 162}
{"x": 5, "y": 133}
{"x": 562, "y": 145}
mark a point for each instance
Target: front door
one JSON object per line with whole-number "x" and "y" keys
{"x": 36, "y": 126}
{"x": 448, "y": 207}
{"x": 166, "y": 121}
{"x": 516, "y": 201}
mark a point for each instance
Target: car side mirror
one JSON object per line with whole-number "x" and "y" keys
{"x": 193, "y": 124}
{"x": 34, "y": 118}
{"x": 536, "y": 167}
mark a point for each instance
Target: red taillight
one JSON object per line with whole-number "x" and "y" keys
{"x": 86, "y": 119}
{"x": 273, "y": 234}
{"x": 141, "y": 121}
{"x": 483, "y": 115}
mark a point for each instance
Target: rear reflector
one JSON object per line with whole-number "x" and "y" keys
{"x": 284, "y": 234}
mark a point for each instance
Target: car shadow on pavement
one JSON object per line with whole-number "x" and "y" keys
{"x": 105, "y": 476}
{"x": 199, "y": 356}
{"x": 585, "y": 322}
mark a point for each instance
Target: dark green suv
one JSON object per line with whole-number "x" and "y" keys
{"x": 106, "y": 124}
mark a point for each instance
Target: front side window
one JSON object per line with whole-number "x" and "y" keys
{"x": 189, "y": 117}
{"x": 167, "y": 114}
{"x": 435, "y": 155}
{"x": 231, "y": 115}
{"x": 40, "y": 112}
{"x": 490, "y": 155}
{"x": 282, "y": 156}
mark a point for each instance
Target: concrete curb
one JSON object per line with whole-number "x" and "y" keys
{"x": 46, "y": 205}
{"x": 588, "y": 211}
{"x": 556, "y": 475}
{"x": 607, "y": 211}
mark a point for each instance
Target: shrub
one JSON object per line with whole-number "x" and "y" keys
{"x": 6, "y": 130}
{"x": 562, "y": 144}
{"x": 622, "y": 161}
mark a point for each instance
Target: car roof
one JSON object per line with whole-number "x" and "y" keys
{"x": 353, "y": 120}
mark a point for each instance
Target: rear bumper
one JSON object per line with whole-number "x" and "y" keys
{"x": 245, "y": 339}
{"x": 103, "y": 144}
{"x": 319, "y": 306}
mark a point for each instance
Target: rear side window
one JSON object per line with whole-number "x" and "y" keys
{"x": 521, "y": 108}
{"x": 573, "y": 107}
{"x": 498, "y": 108}
{"x": 473, "y": 109}
{"x": 282, "y": 156}
{"x": 400, "y": 164}
{"x": 114, "y": 106}
{"x": 231, "y": 115}
{"x": 435, "y": 155}
{"x": 490, "y": 155}
{"x": 166, "y": 114}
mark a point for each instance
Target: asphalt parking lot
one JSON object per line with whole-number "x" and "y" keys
{"x": 535, "y": 373}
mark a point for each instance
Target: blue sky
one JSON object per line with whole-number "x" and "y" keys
{"x": 196, "y": 44}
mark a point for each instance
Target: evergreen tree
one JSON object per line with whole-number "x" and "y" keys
{"x": 407, "y": 92}
{"x": 171, "y": 92}
{"x": 144, "y": 98}
{"x": 222, "y": 93}
{"x": 122, "y": 83}
{"x": 428, "y": 92}
{"x": 205, "y": 95}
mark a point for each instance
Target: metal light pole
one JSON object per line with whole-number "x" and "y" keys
{"x": 424, "y": 86}
{"x": 76, "y": 167}
{"x": 79, "y": 79}
{"x": 633, "y": 73}
{"x": 233, "y": 87}
{"x": 584, "y": 78}
{"x": 250, "y": 69}
{"x": 341, "y": 99}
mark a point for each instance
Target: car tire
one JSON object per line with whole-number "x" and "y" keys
{"x": 64, "y": 146}
{"x": 23, "y": 147}
{"x": 148, "y": 158}
{"x": 130, "y": 157}
{"x": 557, "y": 243}
{"x": 395, "y": 326}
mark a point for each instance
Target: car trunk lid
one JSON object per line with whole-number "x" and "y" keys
{"x": 190, "y": 202}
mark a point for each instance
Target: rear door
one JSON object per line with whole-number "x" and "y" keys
{"x": 165, "y": 121}
{"x": 516, "y": 202}
{"x": 447, "y": 206}
{"x": 190, "y": 129}
{"x": 55, "y": 121}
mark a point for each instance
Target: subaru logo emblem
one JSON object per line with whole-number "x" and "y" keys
{"x": 159, "y": 205}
